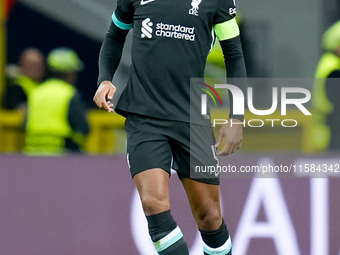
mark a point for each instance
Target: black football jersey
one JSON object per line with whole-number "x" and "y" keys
{"x": 171, "y": 41}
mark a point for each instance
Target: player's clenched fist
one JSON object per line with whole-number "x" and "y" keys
{"x": 104, "y": 94}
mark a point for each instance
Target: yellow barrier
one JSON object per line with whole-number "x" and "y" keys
{"x": 107, "y": 133}
{"x": 12, "y": 135}
{"x": 108, "y": 136}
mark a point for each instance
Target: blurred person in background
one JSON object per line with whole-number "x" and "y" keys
{"x": 56, "y": 117}
{"x": 31, "y": 72}
{"x": 326, "y": 91}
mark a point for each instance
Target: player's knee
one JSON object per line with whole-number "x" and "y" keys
{"x": 154, "y": 203}
{"x": 209, "y": 220}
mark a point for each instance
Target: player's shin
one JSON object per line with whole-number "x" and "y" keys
{"x": 217, "y": 242}
{"x": 166, "y": 235}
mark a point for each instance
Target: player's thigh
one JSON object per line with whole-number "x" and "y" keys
{"x": 194, "y": 154}
{"x": 149, "y": 157}
{"x": 153, "y": 188}
{"x": 147, "y": 146}
{"x": 204, "y": 201}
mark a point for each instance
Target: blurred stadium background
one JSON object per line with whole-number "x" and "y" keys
{"x": 85, "y": 204}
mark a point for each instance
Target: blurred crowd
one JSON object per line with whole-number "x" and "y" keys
{"x": 325, "y": 95}
{"x": 43, "y": 88}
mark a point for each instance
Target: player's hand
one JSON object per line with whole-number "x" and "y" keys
{"x": 104, "y": 94}
{"x": 232, "y": 136}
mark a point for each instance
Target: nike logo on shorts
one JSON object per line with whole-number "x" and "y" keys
{"x": 142, "y": 2}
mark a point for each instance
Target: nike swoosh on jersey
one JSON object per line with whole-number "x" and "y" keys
{"x": 146, "y": 2}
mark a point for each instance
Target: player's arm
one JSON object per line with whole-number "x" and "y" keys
{"x": 332, "y": 86}
{"x": 110, "y": 55}
{"x": 229, "y": 36}
{"x": 77, "y": 118}
{"x": 15, "y": 97}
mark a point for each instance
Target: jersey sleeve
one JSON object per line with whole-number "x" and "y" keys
{"x": 236, "y": 69}
{"x": 226, "y": 11}
{"x": 227, "y": 32}
{"x": 333, "y": 88}
{"x": 112, "y": 47}
{"x": 225, "y": 25}
{"x": 122, "y": 17}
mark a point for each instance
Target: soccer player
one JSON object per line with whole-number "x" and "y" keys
{"x": 171, "y": 41}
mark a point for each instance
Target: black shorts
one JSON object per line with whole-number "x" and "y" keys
{"x": 158, "y": 143}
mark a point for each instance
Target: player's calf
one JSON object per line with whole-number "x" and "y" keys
{"x": 166, "y": 235}
{"x": 217, "y": 241}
